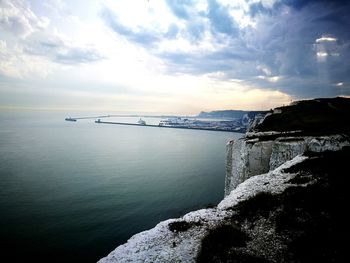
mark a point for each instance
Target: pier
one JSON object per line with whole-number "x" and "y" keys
{"x": 86, "y": 118}
{"x": 162, "y": 126}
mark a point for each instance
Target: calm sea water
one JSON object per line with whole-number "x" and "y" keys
{"x": 74, "y": 191}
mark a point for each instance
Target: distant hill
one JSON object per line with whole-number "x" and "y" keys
{"x": 231, "y": 114}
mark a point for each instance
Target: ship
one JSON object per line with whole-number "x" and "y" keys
{"x": 176, "y": 122}
{"x": 141, "y": 122}
{"x": 70, "y": 119}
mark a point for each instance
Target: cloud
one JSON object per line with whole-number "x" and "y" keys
{"x": 195, "y": 31}
{"x": 15, "y": 64}
{"x": 172, "y": 32}
{"x": 199, "y": 63}
{"x": 263, "y": 7}
{"x": 77, "y": 56}
{"x": 311, "y": 49}
{"x": 17, "y": 19}
{"x": 180, "y": 8}
{"x": 272, "y": 79}
{"x": 62, "y": 51}
{"x": 297, "y": 49}
{"x": 29, "y": 45}
{"x": 220, "y": 19}
{"x": 141, "y": 36}
{"x": 303, "y": 43}
{"x": 326, "y": 39}
{"x": 299, "y": 4}
{"x": 151, "y": 35}
{"x": 5, "y": 60}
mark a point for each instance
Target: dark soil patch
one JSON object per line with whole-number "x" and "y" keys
{"x": 181, "y": 226}
{"x": 258, "y": 206}
{"x": 218, "y": 242}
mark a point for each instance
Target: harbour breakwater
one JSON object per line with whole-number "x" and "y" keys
{"x": 162, "y": 126}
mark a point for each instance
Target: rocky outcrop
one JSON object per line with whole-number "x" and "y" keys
{"x": 255, "y": 155}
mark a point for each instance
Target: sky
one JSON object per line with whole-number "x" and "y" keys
{"x": 171, "y": 56}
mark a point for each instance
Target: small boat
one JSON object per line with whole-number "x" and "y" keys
{"x": 141, "y": 122}
{"x": 70, "y": 119}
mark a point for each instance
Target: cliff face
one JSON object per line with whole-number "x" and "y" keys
{"x": 255, "y": 155}
{"x": 245, "y": 159}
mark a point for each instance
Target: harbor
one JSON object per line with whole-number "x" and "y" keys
{"x": 189, "y": 123}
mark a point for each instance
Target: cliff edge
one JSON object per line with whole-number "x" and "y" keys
{"x": 285, "y": 132}
{"x": 285, "y": 201}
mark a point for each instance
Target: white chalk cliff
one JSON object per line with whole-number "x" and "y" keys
{"x": 249, "y": 156}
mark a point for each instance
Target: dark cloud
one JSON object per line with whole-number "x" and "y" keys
{"x": 258, "y": 8}
{"x": 227, "y": 60}
{"x": 231, "y": 54}
{"x": 291, "y": 49}
{"x": 196, "y": 64}
{"x": 220, "y": 19}
{"x": 284, "y": 43}
{"x": 299, "y": 4}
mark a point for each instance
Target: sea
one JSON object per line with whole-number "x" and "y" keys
{"x": 74, "y": 191}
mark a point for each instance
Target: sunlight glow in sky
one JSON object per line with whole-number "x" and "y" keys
{"x": 171, "y": 56}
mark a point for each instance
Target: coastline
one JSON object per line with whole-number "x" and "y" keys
{"x": 281, "y": 200}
